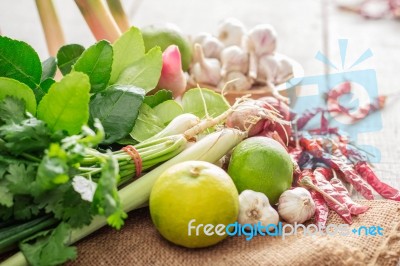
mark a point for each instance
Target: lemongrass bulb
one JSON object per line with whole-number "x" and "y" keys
{"x": 262, "y": 39}
{"x": 254, "y": 208}
{"x": 205, "y": 70}
{"x": 236, "y": 81}
{"x": 296, "y": 205}
{"x": 234, "y": 58}
{"x": 231, "y": 32}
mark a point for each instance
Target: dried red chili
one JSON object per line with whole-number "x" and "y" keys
{"x": 354, "y": 207}
{"x": 306, "y": 117}
{"x": 338, "y": 162}
{"x": 386, "y": 191}
{"x": 321, "y": 210}
{"x": 321, "y": 176}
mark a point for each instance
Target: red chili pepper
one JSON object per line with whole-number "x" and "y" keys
{"x": 302, "y": 121}
{"x": 354, "y": 207}
{"x": 321, "y": 210}
{"x": 338, "y": 162}
{"x": 386, "y": 191}
{"x": 321, "y": 176}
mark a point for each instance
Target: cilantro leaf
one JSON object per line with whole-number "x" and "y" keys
{"x": 6, "y": 197}
{"x": 24, "y": 207}
{"x": 49, "y": 247}
{"x": 53, "y": 169}
{"x": 106, "y": 200}
{"x": 30, "y": 135}
{"x": 12, "y": 110}
{"x": 19, "y": 177}
{"x": 76, "y": 212}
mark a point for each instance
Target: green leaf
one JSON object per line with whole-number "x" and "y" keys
{"x": 147, "y": 124}
{"x": 167, "y": 111}
{"x": 29, "y": 135}
{"x": 49, "y": 247}
{"x": 215, "y": 104}
{"x": 19, "y": 61}
{"x": 67, "y": 55}
{"x": 18, "y": 176}
{"x": 145, "y": 72}
{"x": 159, "y": 97}
{"x": 106, "y": 199}
{"x": 49, "y": 68}
{"x": 96, "y": 62}
{"x": 6, "y": 197}
{"x": 53, "y": 169}
{"x": 127, "y": 49}
{"x": 66, "y": 105}
{"x": 46, "y": 84}
{"x": 117, "y": 108}
{"x": 12, "y": 110}
{"x": 11, "y": 87}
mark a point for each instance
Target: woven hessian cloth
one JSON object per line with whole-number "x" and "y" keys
{"x": 140, "y": 244}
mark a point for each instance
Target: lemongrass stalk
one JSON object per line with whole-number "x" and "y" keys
{"x": 210, "y": 149}
{"x": 119, "y": 14}
{"x": 51, "y": 25}
{"x": 99, "y": 19}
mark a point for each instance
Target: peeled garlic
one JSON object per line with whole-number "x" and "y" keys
{"x": 235, "y": 80}
{"x": 234, "y": 58}
{"x": 231, "y": 32}
{"x": 254, "y": 207}
{"x": 212, "y": 47}
{"x": 205, "y": 70}
{"x": 296, "y": 205}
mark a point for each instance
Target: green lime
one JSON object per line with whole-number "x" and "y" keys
{"x": 192, "y": 202}
{"x": 166, "y": 35}
{"x": 263, "y": 165}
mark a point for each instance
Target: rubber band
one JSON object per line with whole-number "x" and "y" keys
{"x": 131, "y": 151}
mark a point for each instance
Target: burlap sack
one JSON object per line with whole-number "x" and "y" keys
{"x": 140, "y": 244}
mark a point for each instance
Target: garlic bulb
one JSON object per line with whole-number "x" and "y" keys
{"x": 254, "y": 207}
{"x": 212, "y": 47}
{"x": 261, "y": 39}
{"x": 234, "y": 58}
{"x": 296, "y": 205}
{"x": 205, "y": 70}
{"x": 231, "y": 32}
{"x": 235, "y": 80}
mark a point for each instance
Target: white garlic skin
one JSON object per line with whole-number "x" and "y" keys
{"x": 205, "y": 70}
{"x": 296, "y": 205}
{"x": 254, "y": 207}
{"x": 212, "y": 47}
{"x": 273, "y": 70}
{"x": 231, "y": 32}
{"x": 236, "y": 81}
{"x": 261, "y": 39}
{"x": 234, "y": 58}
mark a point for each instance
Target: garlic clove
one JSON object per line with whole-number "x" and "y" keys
{"x": 205, "y": 70}
{"x": 261, "y": 39}
{"x": 254, "y": 207}
{"x": 231, "y": 32}
{"x": 236, "y": 81}
{"x": 212, "y": 47}
{"x": 234, "y": 58}
{"x": 296, "y": 205}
